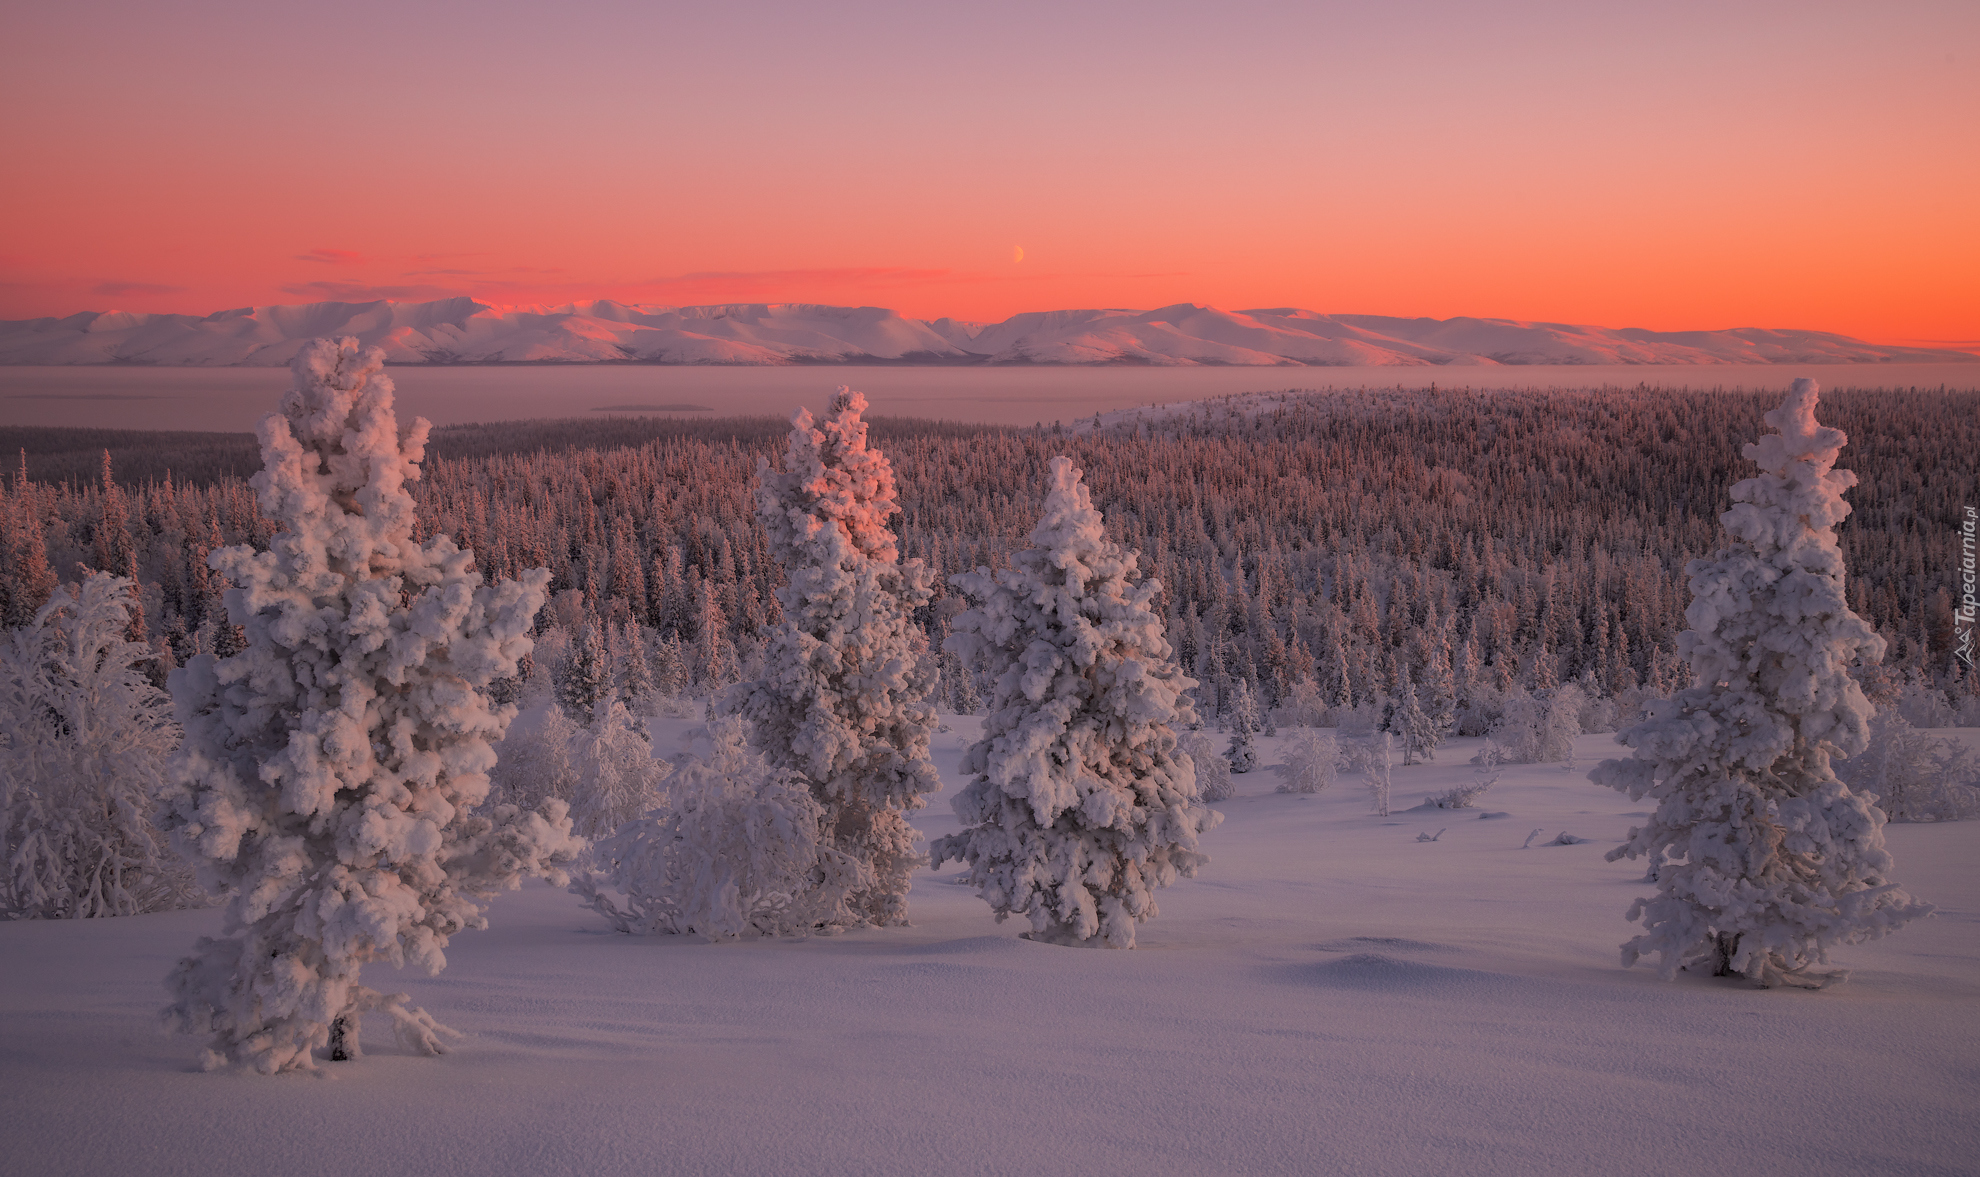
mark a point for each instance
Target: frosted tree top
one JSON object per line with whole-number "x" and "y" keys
{"x": 836, "y": 477}
{"x": 336, "y": 465}
{"x": 1799, "y": 495}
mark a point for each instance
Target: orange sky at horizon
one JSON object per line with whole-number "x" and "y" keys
{"x": 1699, "y": 167}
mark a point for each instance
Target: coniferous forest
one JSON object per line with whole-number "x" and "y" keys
{"x": 1318, "y": 548}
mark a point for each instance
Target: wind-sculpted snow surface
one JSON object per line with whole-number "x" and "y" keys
{"x": 843, "y": 698}
{"x": 331, "y": 771}
{"x": 1764, "y": 859}
{"x": 1080, "y": 803}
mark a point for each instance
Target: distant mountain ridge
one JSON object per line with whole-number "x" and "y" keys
{"x": 464, "y": 331}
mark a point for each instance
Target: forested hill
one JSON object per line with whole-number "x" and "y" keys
{"x": 1332, "y": 539}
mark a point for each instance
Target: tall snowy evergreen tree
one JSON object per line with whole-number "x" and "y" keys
{"x": 843, "y": 697}
{"x": 332, "y": 771}
{"x": 1770, "y": 860}
{"x": 584, "y": 679}
{"x": 1242, "y": 754}
{"x": 1080, "y": 804}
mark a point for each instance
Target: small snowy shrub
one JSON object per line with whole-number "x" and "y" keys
{"x": 83, "y": 742}
{"x": 1362, "y": 720}
{"x": 1534, "y": 730}
{"x": 1914, "y": 777}
{"x": 737, "y": 851}
{"x": 1310, "y": 761}
{"x": 1769, "y": 860}
{"x": 1461, "y": 796}
{"x": 1213, "y": 771}
{"x": 1305, "y": 706}
{"x": 1925, "y": 706}
{"x": 1079, "y": 803}
{"x": 333, "y": 771}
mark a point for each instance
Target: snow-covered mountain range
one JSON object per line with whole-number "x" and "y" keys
{"x": 462, "y": 330}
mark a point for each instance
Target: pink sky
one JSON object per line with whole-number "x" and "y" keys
{"x": 1668, "y": 166}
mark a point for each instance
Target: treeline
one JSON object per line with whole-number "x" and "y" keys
{"x": 1338, "y": 540}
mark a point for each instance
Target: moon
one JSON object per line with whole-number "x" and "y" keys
{"x": 1017, "y": 254}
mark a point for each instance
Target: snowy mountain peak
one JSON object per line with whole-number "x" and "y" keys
{"x": 464, "y": 330}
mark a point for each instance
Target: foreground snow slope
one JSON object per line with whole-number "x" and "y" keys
{"x": 1330, "y": 996}
{"x": 462, "y": 330}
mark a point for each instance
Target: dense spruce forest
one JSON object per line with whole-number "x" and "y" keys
{"x": 1315, "y": 547}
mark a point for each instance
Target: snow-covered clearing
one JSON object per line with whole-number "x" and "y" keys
{"x": 1329, "y": 995}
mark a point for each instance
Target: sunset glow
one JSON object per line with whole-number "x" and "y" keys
{"x": 1676, "y": 167}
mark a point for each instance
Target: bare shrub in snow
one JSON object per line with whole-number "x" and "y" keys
{"x": 1080, "y": 803}
{"x": 333, "y": 771}
{"x": 1535, "y": 730}
{"x": 1305, "y": 706}
{"x": 736, "y": 851}
{"x": 604, "y": 771}
{"x": 843, "y": 696}
{"x": 1769, "y": 859}
{"x": 1373, "y": 757}
{"x": 1213, "y": 771}
{"x": 1310, "y": 762}
{"x": 83, "y": 741}
{"x": 1914, "y": 777}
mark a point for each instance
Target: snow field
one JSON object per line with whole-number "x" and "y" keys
{"x": 1329, "y": 995}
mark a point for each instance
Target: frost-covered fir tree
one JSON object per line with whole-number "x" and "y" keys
{"x": 1242, "y": 753}
{"x": 736, "y": 851}
{"x": 333, "y": 771}
{"x": 1769, "y": 859}
{"x": 1080, "y": 803}
{"x": 1413, "y": 724}
{"x": 584, "y": 678}
{"x": 843, "y": 697}
{"x": 84, "y": 737}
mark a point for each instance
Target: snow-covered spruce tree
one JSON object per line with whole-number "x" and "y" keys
{"x": 1242, "y": 754}
{"x": 1413, "y": 724}
{"x": 1770, "y": 860}
{"x": 842, "y": 701}
{"x": 332, "y": 771}
{"x": 734, "y": 852}
{"x": 1080, "y": 803}
{"x": 584, "y": 678}
{"x": 1311, "y": 760}
{"x": 84, "y": 737}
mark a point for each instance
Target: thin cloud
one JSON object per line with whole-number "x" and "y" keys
{"x": 361, "y": 292}
{"x": 1948, "y": 342}
{"x": 443, "y": 273}
{"x": 330, "y": 257}
{"x": 131, "y": 289}
{"x": 845, "y": 276}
